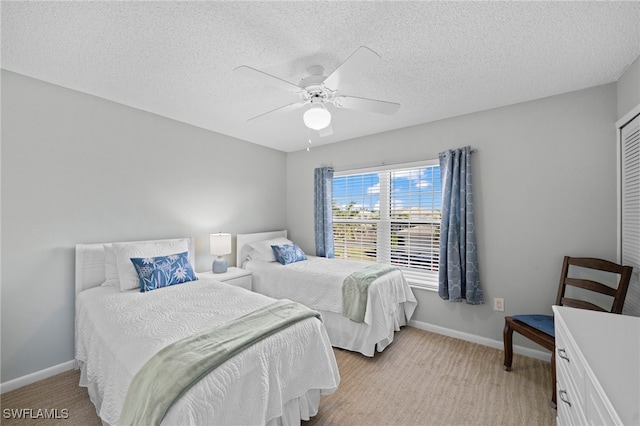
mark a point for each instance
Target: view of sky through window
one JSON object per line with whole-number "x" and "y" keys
{"x": 417, "y": 188}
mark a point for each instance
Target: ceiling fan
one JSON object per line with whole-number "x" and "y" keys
{"x": 318, "y": 91}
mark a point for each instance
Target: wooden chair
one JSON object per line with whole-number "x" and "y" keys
{"x": 540, "y": 328}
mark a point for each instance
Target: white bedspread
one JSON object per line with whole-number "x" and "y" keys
{"x": 317, "y": 283}
{"x": 117, "y": 332}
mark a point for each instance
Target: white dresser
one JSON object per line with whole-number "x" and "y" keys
{"x": 597, "y": 367}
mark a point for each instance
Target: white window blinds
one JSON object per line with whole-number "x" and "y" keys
{"x": 415, "y": 218}
{"x": 356, "y": 213}
{"x": 390, "y": 215}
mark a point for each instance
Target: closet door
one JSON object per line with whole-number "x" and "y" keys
{"x": 630, "y": 209}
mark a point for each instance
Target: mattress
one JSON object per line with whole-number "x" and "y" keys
{"x": 317, "y": 283}
{"x": 117, "y": 332}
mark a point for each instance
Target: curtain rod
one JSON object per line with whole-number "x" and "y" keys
{"x": 384, "y": 165}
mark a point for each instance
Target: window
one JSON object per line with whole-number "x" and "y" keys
{"x": 390, "y": 215}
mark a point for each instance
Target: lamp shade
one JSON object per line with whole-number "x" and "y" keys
{"x": 219, "y": 244}
{"x": 317, "y": 117}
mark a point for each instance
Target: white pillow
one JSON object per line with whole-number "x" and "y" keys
{"x": 127, "y": 274}
{"x": 110, "y": 266}
{"x": 261, "y": 250}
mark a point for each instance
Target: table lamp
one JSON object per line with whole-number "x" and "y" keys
{"x": 219, "y": 245}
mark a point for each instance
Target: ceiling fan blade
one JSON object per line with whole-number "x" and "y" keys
{"x": 267, "y": 78}
{"x": 359, "y": 61}
{"x": 364, "y": 104}
{"x": 327, "y": 131}
{"x": 282, "y": 109}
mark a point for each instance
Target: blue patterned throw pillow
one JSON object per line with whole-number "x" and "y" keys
{"x": 163, "y": 271}
{"x": 288, "y": 253}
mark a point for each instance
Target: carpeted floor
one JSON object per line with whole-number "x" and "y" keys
{"x": 421, "y": 379}
{"x": 430, "y": 379}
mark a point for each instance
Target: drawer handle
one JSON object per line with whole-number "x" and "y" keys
{"x": 564, "y": 397}
{"x": 563, "y": 354}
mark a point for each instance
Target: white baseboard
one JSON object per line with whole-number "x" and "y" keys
{"x": 533, "y": 353}
{"x": 37, "y": 376}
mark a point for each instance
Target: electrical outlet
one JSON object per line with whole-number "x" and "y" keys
{"x": 498, "y": 304}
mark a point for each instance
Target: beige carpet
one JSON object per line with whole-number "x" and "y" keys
{"x": 430, "y": 379}
{"x": 421, "y": 379}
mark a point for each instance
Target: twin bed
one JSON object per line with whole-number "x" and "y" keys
{"x": 317, "y": 283}
{"x": 277, "y": 380}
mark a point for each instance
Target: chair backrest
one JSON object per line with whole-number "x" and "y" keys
{"x": 618, "y": 294}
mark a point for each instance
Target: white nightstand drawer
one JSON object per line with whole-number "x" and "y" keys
{"x": 234, "y": 276}
{"x": 244, "y": 282}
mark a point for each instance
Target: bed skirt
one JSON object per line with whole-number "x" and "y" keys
{"x": 363, "y": 338}
{"x": 293, "y": 411}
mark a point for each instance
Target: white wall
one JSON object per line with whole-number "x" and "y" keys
{"x": 80, "y": 169}
{"x": 628, "y": 88}
{"x": 545, "y": 186}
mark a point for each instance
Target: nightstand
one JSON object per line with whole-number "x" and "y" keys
{"x": 234, "y": 276}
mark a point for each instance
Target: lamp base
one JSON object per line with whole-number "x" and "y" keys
{"x": 219, "y": 265}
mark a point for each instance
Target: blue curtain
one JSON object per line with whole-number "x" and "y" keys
{"x": 323, "y": 180}
{"x": 459, "y": 276}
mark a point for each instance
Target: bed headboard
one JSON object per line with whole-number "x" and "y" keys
{"x": 90, "y": 262}
{"x": 244, "y": 239}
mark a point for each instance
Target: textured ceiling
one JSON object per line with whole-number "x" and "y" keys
{"x": 439, "y": 59}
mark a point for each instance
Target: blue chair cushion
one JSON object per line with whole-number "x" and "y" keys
{"x": 543, "y": 323}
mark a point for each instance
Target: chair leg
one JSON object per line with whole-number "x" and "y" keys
{"x": 507, "y": 337}
{"x": 553, "y": 404}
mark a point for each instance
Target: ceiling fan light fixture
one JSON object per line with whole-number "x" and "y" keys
{"x": 316, "y": 117}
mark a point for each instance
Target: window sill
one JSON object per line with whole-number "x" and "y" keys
{"x": 423, "y": 286}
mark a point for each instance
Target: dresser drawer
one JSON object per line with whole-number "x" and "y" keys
{"x": 569, "y": 362}
{"x": 569, "y": 399}
{"x": 598, "y": 412}
{"x": 597, "y": 367}
{"x": 569, "y": 412}
{"x": 570, "y": 409}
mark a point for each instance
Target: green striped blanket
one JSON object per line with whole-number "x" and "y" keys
{"x": 177, "y": 367}
{"x": 355, "y": 290}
